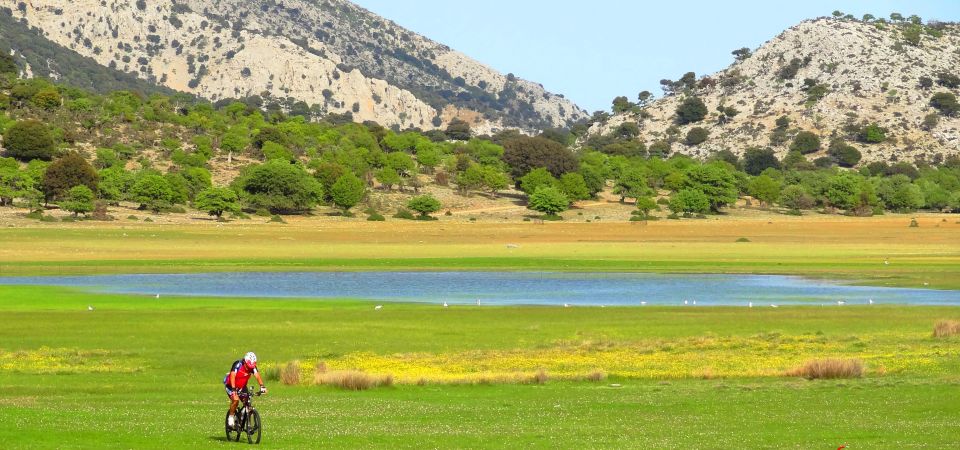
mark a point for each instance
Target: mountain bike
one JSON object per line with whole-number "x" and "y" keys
{"x": 248, "y": 420}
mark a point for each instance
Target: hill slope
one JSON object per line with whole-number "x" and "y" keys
{"x": 328, "y": 54}
{"x": 866, "y": 73}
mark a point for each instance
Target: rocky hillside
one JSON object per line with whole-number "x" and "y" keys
{"x": 328, "y": 56}
{"x": 831, "y": 76}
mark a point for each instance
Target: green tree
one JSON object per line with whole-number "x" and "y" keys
{"x": 65, "y": 173}
{"x": 524, "y": 154}
{"x": 795, "y": 197}
{"x": 536, "y": 179}
{"x": 622, "y": 105}
{"x": 632, "y": 183}
{"x": 425, "y": 205}
{"x": 691, "y": 110}
{"x": 48, "y": 99}
{"x": 898, "y": 193}
{"x": 217, "y": 200}
{"x": 574, "y": 187}
{"x": 280, "y": 187}
{"x": 29, "y": 139}
{"x": 470, "y": 179}
{"x": 756, "y": 160}
{"x": 152, "y": 191}
{"x": 645, "y": 205}
{"x": 716, "y": 182}
{"x": 549, "y": 201}
{"x": 765, "y": 189}
{"x": 388, "y": 177}
{"x": 805, "y": 142}
{"x": 348, "y": 191}
{"x": 273, "y": 150}
{"x": 494, "y": 180}
{"x": 689, "y": 201}
{"x": 843, "y": 191}
{"x": 114, "y": 184}
{"x": 458, "y": 130}
{"x": 79, "y": 200}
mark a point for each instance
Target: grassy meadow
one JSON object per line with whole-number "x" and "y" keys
{"x": 140, "y": 372}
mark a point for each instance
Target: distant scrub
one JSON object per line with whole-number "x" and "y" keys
{"x": 828, "y": 369}
{"x": 946, "y": 328}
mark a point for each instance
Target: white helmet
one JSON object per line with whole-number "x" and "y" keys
{"x": 250, "y": 359}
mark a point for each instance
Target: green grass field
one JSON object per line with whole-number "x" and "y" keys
{"x": 140, "y": 372}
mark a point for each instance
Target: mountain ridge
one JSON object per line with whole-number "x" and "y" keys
{"x": 330, "y": 55}
{"x": 850, "y": 75}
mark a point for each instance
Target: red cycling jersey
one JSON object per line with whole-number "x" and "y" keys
{"x": 242, "y": 375}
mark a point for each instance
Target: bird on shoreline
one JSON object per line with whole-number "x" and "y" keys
{"x": 378, "y": 308}
{"x": 445, "y": 305}
{"x": 89, "y": 308}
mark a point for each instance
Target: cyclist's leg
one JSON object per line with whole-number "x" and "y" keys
{"x": 234, "y": 399}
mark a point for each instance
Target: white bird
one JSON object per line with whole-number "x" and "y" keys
{"x": 157, "y": 297}
{"x": 378, "y": 307}
{"x": 871, "y": 301}
{"x": 643, "y": 303}
{"x": 774, "y": 306}
{"x": 445, "y": 305}
{"x": 478, "y": 302}
{"x": 926, "y": 284}
{"x": 694, "y": 303}
{"x": 686, "y": 302}
{"x": 841, "y": 303}
{"x": 566, "y": 305}
{"x": 886, "y": 263}
{"x": 89, "y": 308}
{"x": 750, "y": 305}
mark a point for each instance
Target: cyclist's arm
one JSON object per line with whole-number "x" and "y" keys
{"x": 259, "y": 380}
{"x": 233, "y": 379}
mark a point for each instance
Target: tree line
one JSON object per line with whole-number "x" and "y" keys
{"x": 78, "y": 150}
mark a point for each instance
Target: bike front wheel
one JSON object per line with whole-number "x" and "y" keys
{"x": 253, "y": 428}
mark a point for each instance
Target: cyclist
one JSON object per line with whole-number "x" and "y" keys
{"x": 236, "y": 381}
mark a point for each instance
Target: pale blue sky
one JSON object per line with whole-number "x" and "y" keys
{"x": 593, "y": 51}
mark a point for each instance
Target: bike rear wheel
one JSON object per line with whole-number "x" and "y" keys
{"x": 253, "y": 427}
{"x": 233, "y": 434}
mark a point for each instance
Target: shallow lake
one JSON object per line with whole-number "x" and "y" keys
{"x": 505, "y": 288}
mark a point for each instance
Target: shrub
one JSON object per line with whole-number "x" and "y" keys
{"x": 692, "y": 110}
{"x": 829, "y": 369}
{"x": 946, "y": 328}
{"x": 48, "y": 218}
{"x": 743, "y": 239}
{"x": 404, "y": 214}
{"x": 946, "y": 102}
{"x": 352, "y": 380}
{"x": 805, "y": 142}
{"x": 596, "y": 376}
{"x": 697, "y": 136}
{"x": 376, "y": 217}
{"x": 540, "y": 377}
{"x": 290, "y": 374}
{"x": 132, "y": 217}
{"x": 277, "y": 219}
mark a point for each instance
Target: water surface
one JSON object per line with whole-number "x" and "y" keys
{"x": 505, "y": 288}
